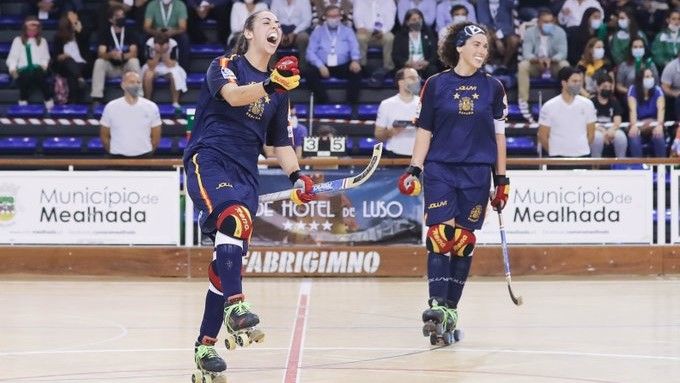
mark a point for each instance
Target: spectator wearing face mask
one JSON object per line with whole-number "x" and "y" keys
{"x": 666, "y": 45}
{"x": 609, "y": 117}
{"x": 626, "y": 29}
{"x": 427, "y": 7}
{"x": 577, "y": 37}
{"x": 498, "y": 16}
{"x": 670, "y": 83}
{"x": 130, "y": 125}
{"x": 567, "y": 121}
{"x": 444, "y": 16}
{"x": 415, "y": 46}
{"x": 637, "y": 59}
{"x": 646, "y": 105}
{"x": 459, "y": 14}
{"x": 592, "y": 63}
{"x": 396, "y": 115}
{"x": 299, "y": 132}
{"x": 572, "y": 11}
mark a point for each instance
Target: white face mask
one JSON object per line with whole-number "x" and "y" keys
{"x": 293, "y": 121}
{"x": 248, "y": 1}
{"x": 623, "y": 23}
{"x": 167, "y": 2}
{"x": 598, "y": 53}
{"x": 648, "y": 83}
{"x": 595, "y": 23}
{"x": 637, "y": 52}
{"x": 673, "y": 28}
{"x": 457, "y": 19}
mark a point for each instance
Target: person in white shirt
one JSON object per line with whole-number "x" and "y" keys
{"x": 239, "y": 13}
{"x": 374, "y": 20}
{"x": 567, "y": 121}
{"x": 572, "y": 11}
{"x": 162, "y": 61}
{"x": 130, "y": 125}
{"x": 395, "y": 124}
{"x": 27, "y": 62}
{"x": 295, "y": 17}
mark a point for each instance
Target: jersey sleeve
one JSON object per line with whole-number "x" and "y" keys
{"x": 279, "y": 132}
{"x": 221, "y": 72}
{"x": 500, "y": 101}
{"x": 425, "y": 114}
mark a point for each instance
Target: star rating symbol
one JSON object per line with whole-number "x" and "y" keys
{"x": 475, "y": 96}
{"x": 313, "y": 226}
{"x": 300, "y": 226}
{"x": 456, "y": 96}
{"x": 327, "y": 226}
{"x": 287, "y": 225}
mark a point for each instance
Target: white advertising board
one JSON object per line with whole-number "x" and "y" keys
{"x": 675, "y": 205}
{"x": 575, "y": 207}
{"x": 89, "y": 207}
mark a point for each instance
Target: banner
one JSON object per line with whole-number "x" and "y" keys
{"x": 374, "y": 213}
{"x": 575, "y": 207}
{"x": 89, "y": 207}
{"x": 675, "y": 205}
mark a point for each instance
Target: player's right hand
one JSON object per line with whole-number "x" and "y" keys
{"x": 304, "y": 188}
{"x": 284, "y": 77}
{"x": 409, "y": 183}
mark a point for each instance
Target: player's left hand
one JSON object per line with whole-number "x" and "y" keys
{"x": 304, "y": 188}
{"x": 284, "y": 77}
{"x": 499, "y": 198}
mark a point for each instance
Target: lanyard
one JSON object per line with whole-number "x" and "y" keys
{"x": 164, "y": 16}
{"x": 416, "y": 45}
{"x": 116, "y": 42}
{"x": 333, "y": 37}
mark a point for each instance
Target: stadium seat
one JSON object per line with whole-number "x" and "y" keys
{"x": 539, "y": 82}
{"x": 361, "y": 146}
{"x": 628, "y": 166}
{"x": 333, "y": 111}
{"x": 515, "y": 114}
{"x": 206, "y": 50}
{"x": 62, "y": 145}
{"x": 368, "y": 111}
{"x": 94, "y": 145}
{"x": 98, "y": 110}
{"x": 195, "y": 79}
{"x": 25, "y": 111}
{"x": 166, "y": 110}
{"x": 302, "y": 110}
{"x": 182, "y": 144}
{"x": 5, "y": 80}
{"x": 11, "y": 22}
{"x": 18, "y": 145}
{"x": 69, "y": 111}
{"x": 521, "y": 145}
{"x": 164, "y": 146}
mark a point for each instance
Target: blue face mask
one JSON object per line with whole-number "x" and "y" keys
{"x": 547, "y": 28}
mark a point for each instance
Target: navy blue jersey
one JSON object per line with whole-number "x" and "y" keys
{"x": 461, "y": 113}
{"x": 238, "y": 133}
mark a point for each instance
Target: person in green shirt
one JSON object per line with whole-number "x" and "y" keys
{"x": 619, "y": 41}
{"x": 169, "y": 17}
{"x": 666, "y": 45}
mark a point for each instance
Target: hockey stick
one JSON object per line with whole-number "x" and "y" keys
{"x": 335, "y": 185}
{"x": 517, "y": 300}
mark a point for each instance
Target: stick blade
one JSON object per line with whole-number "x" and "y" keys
{"x": 517, "y": 300}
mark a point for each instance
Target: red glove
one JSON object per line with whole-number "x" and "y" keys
{"x": 499, "y": 198}
{"x": 408, "y": 182}
{"x": 304, "y": 188}
{"x": 284, "y": 77}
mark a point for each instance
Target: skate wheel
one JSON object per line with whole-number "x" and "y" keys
{"x": 197, "y": 377}
{"x": 433, "y": 339}
{"x": 230, "y": 342}
{"x": 207, "y": 379}
{"x": 447, "y": 337}
{"x": 457, "y": 335}
{"x": 257, "y": 336}
{"x": 243, "y": 340}
{"x": 428, "y": 328}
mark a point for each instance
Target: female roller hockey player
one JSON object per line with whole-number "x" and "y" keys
{"x": 242, "y": 106}
{"x": 460, "y": 143}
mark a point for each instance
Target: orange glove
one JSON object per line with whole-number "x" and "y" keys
{"x": 284, "y": 77}
{"x": 408, "y": 182}
{"x": 304, "y": 188}
{"x": 500, "y": 196}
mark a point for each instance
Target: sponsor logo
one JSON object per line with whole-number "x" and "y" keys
{"x": 435, "y": 205}
{"x": 312, "y": 262}
{"x": 228, "y": 74}
{"x": 224, "y": 185}
{"x": 8, "y": 201}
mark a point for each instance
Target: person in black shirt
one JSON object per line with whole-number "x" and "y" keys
{"x": 609, "y": 112}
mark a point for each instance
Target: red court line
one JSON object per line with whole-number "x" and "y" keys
{"x": 297, "y": 340}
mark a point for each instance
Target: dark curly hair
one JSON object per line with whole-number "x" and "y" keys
{"x": 448, "y": 54}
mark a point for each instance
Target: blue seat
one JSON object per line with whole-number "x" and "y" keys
{"x": 334, "y": 82}
{"x": 98, "y": 110}
{"x": 514, "y": 112}
{"x": 333, "y": 111}
{"x": 364, "y": 145}
{"x": 164, "y": 146}
{"x": 508, "y": 81}
{"x": 206, "y": 50}
{"x": 94, "y": 145}
{"x": 627, "y": 166}
{"x": 5, "y": 80}
{"x": 69, "y": 111}
{"x": 302, "y": 110}
{"x": 113, "y": 81}
{"x": 288, "y": 51}
{"x": 62, "y": 145}
{"x": 18, "y": 145}
{"x": 195, "y": 79}
{"x": 182, "y": 144}
{"x": 521, "y": 144}
{"x": 375, "y": 52}
{"x": 25, "y": 111}
{"x": 11, "y": 22}
{"x": 166, "y": 110}
{"x": 368, "y": 111}
{"x": 388, "y": 82}
{"x": 540, "y": 82}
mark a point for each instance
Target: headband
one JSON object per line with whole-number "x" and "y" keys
{"x": 467, "y": 32}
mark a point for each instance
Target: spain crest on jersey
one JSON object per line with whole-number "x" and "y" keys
{"x": 466, "y": 106}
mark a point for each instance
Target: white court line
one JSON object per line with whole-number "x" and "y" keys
{"x": 297, "y": 339}
{"x": 398, "y": 349}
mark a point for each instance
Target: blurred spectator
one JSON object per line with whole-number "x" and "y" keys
{"x": 239, "y": 13}
{"x": 200, "y": 10}
{"x": 646, "y": 105}
{"x": 527, "y": 10}
{"x": 444, "y": 16}
{"x": 572, "y": 11}
{"x": 427, "y": 7}
{"x": 670, "y": 84}
{"x": 637, "y": 59}
{"x": 592, "y": 63}
{"x": 170, "y": 18}
{"x": 299, "y": 132}
{"x": 619, "y": 41}
{"x": 134, "y": 9}
{"x": 544, "y": 52}
{"x": 415, "y": 46}
{"x": 666, "y": 45}
{"x": 333, "y": 51}
{"x": 396, "y": 115}
{"x": 651, "y": 13}
{"x": 567, "y": 121}
{"x": 295, "y": 17}
{"x": 117, "y": 53}
{"x": 161, "y": 53}
{"x": 458, "y": 14}
{"x": 130, "y": 125}
{"x": 27, "y": 61}
{"x": 498, "y": 16}
{"x": 374, "y": 20}
{"x": 52, "y": 9}
{"x": 71, "y": 54}
{"x": 319, "y": 6}
{"x": 613, "y": 7}
{"x": 609, "y": 117}
{"x": 577, "y": 37}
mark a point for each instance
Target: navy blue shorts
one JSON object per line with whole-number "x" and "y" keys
{"x": 214, "y": 183}
{"x": 456, "y": 191}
